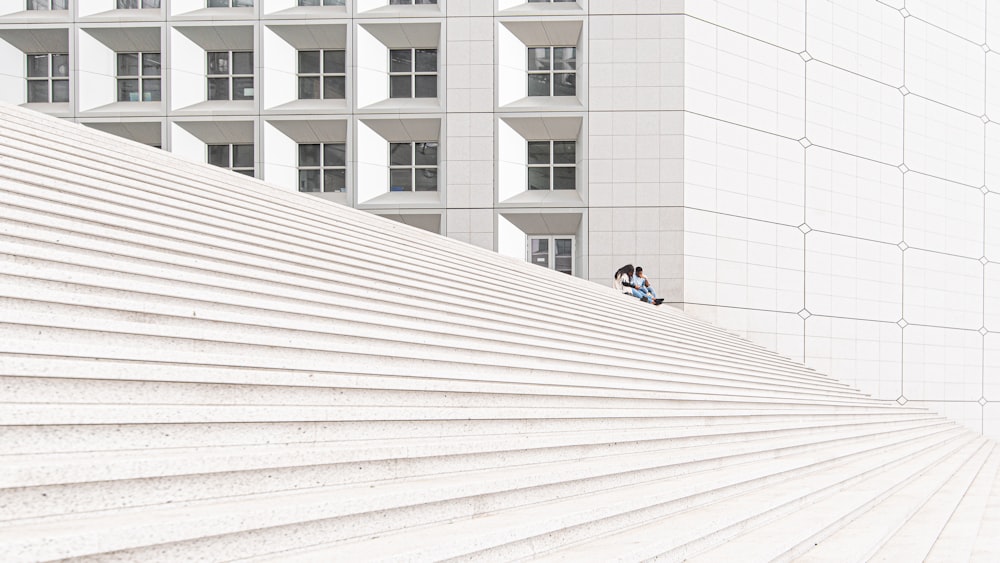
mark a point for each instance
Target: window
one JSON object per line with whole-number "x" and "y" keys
{"x": 230, "y": 81}
{"x": 321, "y": 2}
{"x": 48, "y": 78}
{"x": 551, "y": 165}
{"x": 48, "y": 4}
{"x": 136, "y": 4}
{"x": 413, "y": 73}
{"x": 410, "y": 2}
{"x": 552, "y": 252}
{"x": 322, "y": 75}
{"x": 549, "y": 1}
{"x": 323, "y": 167}
{"x": 551, "y": 71}
{"x": 138, "y": 77}
{"x": 413, "y": 167}
{"x": 230, "y": 3}
{"x": 238, "y": 158}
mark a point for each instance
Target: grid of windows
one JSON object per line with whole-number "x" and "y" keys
{"x": 323, "y": 167}
{"x": 552, "y": 252}
{"x": 551, "y": 165}
{"x": 48, "y": 78}
{"x": 136, "y": 4}
{"x": 410, "y": 2}
{"x": 238, "y": 158}
{"x": 322, "y": 75}
{"x": 413, "y": 73}
{"x": 413, "y": 167}
{"x": 321, "y": 2}
{"x": 230, "y": 3}
{"x": 48, "y": 4}
{"x": 138, "y": 77}
{"x": 230, "y": 75}
{"x": 552, "y": 71}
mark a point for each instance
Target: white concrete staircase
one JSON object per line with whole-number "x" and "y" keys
{"x": 196, "y": 366}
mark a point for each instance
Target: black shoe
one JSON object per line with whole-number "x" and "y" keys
{"x": 658, "y": 301}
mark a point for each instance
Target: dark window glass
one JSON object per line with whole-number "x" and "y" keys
{"x": 243, "y": 88}
{"x": 335, "y": 180}
{"x": 38, "y": 91}
{"x": 538, "y": 178}
{"x": 334, "y": 154}
{"x": 400, "y": 155}
{"x": 309, "y": 155}
{"x": 401, "y": 60}
{"x": 399, "y": 86}
{"x": 309, "y": 62}
{"x": 218, "y": 62}
{"x": 425, "y": 86}
{"x": 218, "y": 88}
{"x": 151, "y": 90}
{"x": 128, "y": 65}
{"x": 150, "y": 64}
{"x": 538, "y": 84}
{"x": 538, "y": 152}
{"x": 333, "y": 62}
{"x": 426, "y": 60}
{"x": 60, "y": 91}
{"x": 128, "y": 90}
{"x": 400, "y": 180}
{"x": 564, "y": 152}
{"x": 426, "y": 154}
{"x": 38, "y": 66}
{"x": 309, "y": 180}
{"x": 564, "y": 178}
{"x": 426, "y": 179}
{"x": 540, "y": 252}
{"x": 309, "y": 88}
{"x": 60, "y": 65}
{"x": 242, "y": 62}
{"x": 538, "y": 58}
{"x": 334, "y": 87}
{"x": 218, "y": 3}
{"x": 242, "y": 156}
{"x": 218, "y": 155}
{"x": 564, "y": 84}
{"x": 564, "y": 58}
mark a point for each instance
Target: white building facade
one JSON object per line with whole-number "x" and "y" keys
{"x": 820, "y": 176}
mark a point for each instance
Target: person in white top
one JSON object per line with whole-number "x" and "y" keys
{"x": 625, "y": 283}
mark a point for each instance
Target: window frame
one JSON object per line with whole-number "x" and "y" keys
{"x": 141, "y": 78}
{"x": 551, "y": 253}
{"x": 551, "y": 165}
{"x": 49, "y": 79}
{"x": 322, "y": 75}
{"x": 245, "y": 170}
{"x": 140, "y": 4}
{"x": 229, "y": 4}
{"x": 413, "y": 73}
{"x": 413, "y": 167}
{"x": 230, "y": 76}
{"x": 29, "y": 6}
{"x": 322, "y": 167}
{"x": 552, "y": 72}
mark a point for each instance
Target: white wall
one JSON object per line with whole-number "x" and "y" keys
{"x": 835, "y": 161}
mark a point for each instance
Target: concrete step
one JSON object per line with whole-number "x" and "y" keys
{"x": 26, "y": 439}
{"x": 355, "y": 235}
{"x": 854, "y": 523}
{"x": 148, "y": 293}
{"x": 199, "y": 306}
{"x": 468, "y": 493}
{"x": 689, "y": 535}
{"x": 919, "y": 529}
{"x": 532, "y": 530}
{"x": 37, "y": 486}
{"x": 955, "y": 543}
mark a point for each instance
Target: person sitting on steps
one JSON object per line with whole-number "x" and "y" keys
{"x": 624, "y": 283}
{"x": 642, "y": 282}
